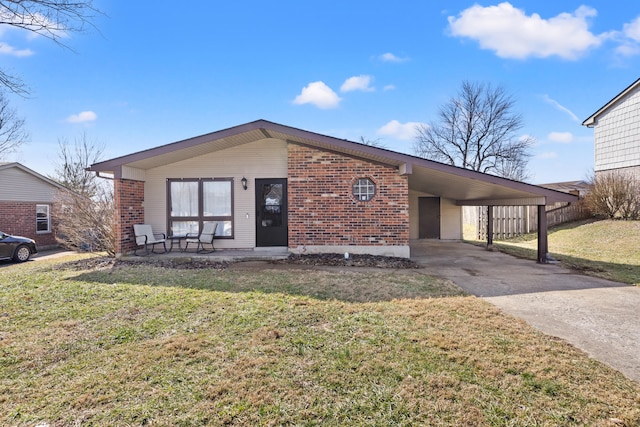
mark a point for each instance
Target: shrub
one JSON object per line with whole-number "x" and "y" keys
{"x": 615, "y": 194}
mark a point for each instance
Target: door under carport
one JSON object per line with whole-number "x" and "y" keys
{"x": 429, "y": 217}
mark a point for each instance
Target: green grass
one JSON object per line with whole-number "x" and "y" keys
{"x": 609, "y": 249}
{"x": 85, "y": 344}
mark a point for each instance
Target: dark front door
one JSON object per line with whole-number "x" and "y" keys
{"x": 271, "y": 218}
{"x": 429, "y": 213}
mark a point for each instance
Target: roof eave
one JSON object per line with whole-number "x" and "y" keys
{"x": 591, "y": 120}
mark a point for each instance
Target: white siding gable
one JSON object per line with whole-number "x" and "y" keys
{"x": 17, "y": 185}
{"x": 266, "y": 158}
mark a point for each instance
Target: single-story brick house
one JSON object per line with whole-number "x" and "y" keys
{"x": 26, "y": 202}
{"x": 270, "y": 185}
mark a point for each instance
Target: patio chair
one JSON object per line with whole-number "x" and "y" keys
{"x": 205, "y": 238}
{"x": 145, "y": 236}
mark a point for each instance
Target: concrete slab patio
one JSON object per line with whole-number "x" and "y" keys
{"x": 600, "y": 317}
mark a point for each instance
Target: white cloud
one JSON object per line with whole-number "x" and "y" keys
{"x": 512, "y": 34}
{"x": 629, "y": 39}
{"x": 390, "y": 57}
{"x": 561, "y": 137}
{"x": 83, "y": 117}
{"x": 632, "y": 29}
{"x": 318, "y": 94}
{"x": 628, "y": 49}
{"x": 560, "y": 107}
{"x": 361, "y": 83}
{"x": 5, "y": 49}
{"x": 389, "y": 87}
{"x": 403, "y": 131}
{"x": 548, "y": 155}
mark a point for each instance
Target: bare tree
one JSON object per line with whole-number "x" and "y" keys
{"x": 71, "y": 170}
{"x": 12, "y": 131}
{"x": 478, "y": 130}
{"x": 85, "y": 213}
{"x": 84, "y": 223}
{"x": 53, "y": 19}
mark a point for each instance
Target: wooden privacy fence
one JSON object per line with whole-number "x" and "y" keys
{"x": 512, "y": 221}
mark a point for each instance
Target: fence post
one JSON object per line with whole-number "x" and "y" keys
{"x": 489, "y": 226}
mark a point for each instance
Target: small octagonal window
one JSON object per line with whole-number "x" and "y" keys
{"x": 364, "y": 189}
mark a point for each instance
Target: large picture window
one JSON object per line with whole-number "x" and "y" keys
{"x": 192, "y": 202}
{"x": 43, "y": 219}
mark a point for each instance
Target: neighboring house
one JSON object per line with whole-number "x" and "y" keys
{"x": 26, "y": 203}
{"x": 270, "y": 185}
{"x": 617, "y": 132}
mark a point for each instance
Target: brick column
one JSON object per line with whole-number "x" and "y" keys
{"x": 129, "y": 204}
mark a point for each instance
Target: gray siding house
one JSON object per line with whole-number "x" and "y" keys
{"x": 616, "y": 128}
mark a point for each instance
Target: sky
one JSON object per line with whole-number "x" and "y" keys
{"x": 152, "y": 73}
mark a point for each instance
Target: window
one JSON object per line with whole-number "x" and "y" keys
{"x": 192, "y": 202}
{"x": 364, "y": 189}
{"x": 43, "y": 219}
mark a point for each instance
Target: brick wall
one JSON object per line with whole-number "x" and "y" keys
{"x": 323, "y": 211}
{"x": 631, "y": 172}
{"x": 129, "y": 204}
{"x": 19, "y": 218}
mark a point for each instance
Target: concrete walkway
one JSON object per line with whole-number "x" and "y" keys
{"x": 598, "y": 316}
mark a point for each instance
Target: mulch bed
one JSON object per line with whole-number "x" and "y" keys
{"x": 354, "y": 260}
{"x": 331, "y": 260}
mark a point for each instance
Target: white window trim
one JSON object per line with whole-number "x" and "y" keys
{"x": 48, "y": 230}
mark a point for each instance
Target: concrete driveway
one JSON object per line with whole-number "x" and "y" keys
{"x": 598, "y": 316}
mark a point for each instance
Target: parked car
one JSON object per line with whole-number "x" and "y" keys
{"x": 16, "y": 248}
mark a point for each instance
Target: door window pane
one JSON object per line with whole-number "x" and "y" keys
{"x": 184, "y": 198}
{"x": 271, "y": 205}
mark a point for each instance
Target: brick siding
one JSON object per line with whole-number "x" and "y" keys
{"x": 323, "y": 210}
{"x": 129, "y": 205}
{"x": 19, "y": 218}
{"x": 631, "y": 172}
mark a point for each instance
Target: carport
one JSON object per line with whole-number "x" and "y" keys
{"x": 469, "y": 188}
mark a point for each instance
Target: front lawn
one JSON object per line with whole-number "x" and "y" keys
{"x": 86, "y": 343}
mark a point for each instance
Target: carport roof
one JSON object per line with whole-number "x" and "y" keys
{"x": 464, "y": 186}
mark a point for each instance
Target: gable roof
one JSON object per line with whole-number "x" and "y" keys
{"x": 9, "y": 165}
{"x": 591, "y": 120}
{"x": 465, "y": 186}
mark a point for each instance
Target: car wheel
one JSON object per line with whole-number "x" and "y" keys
{"x": 22, "y": 254}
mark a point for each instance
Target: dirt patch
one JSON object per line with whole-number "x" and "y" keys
{"x": 354, "y": 260}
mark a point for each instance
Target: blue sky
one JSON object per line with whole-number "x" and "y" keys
{"x": 152, "y": 73}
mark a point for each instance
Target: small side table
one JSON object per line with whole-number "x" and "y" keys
{"x": 179, "y": 238}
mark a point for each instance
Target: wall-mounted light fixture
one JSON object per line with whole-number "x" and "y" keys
{"x": 244, "y": 182}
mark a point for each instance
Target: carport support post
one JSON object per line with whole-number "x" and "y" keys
{"x": 543, "y": 244}
{"x": 489, "y": 227}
